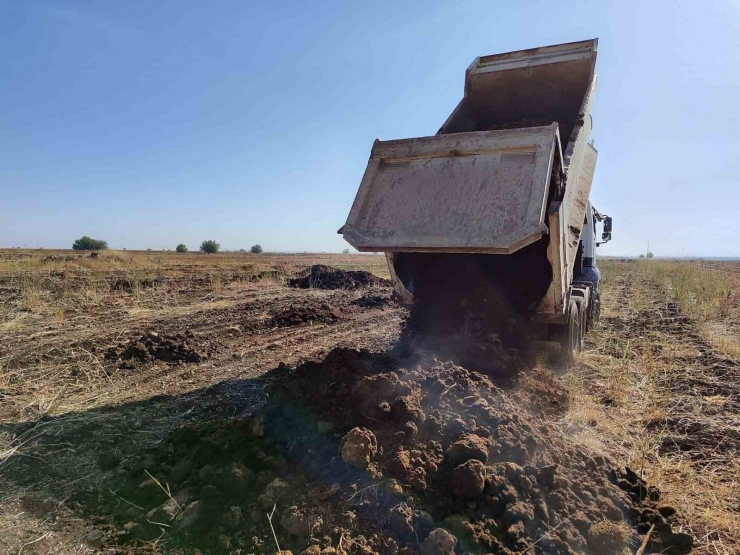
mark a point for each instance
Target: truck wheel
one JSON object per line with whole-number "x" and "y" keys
{"x": 570, "y": 341}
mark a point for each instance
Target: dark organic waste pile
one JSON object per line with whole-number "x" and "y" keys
{"x": 297, "y": 315}
{"x": 359, "y": 455}
{"x": 373, "y": 301}
{"x": 176, "y": 349}
{"x": 325, "y": 277}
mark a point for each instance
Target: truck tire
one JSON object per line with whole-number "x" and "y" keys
{"x": 572, "y": 336}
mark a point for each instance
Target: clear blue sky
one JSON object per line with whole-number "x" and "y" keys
{"x": 153, "y": 123}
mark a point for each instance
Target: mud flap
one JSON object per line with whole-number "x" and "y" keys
{"x": 571, "y": 335}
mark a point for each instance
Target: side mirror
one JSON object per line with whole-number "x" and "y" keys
{"x": 607, "y": 234}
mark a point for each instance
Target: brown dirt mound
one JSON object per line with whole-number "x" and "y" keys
{"x": 360, "y": 455}
{"x": 324, "y": 277}
{"x": 462, "y": 452}
{"x": 308, "y": 314}
{"x": 176, "y": 349}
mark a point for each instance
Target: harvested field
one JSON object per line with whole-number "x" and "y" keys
{"x": 160, "y": 402}
{"x": 59, "y": 319}
{"x": 653, "y": 391}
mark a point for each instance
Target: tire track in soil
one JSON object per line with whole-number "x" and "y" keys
{"x": 707, "y": 374}
{"x": 260, "y": 353}
{"x": 246, "y": 352}
{"x": 700, "y": 422}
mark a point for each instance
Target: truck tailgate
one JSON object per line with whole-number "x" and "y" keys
{"x": 479, "y": 192}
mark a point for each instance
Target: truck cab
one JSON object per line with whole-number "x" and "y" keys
{"x": 585, "y": 270}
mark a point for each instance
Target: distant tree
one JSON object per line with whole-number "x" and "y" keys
{"x": 642, "y": 256}
{"x": 181, "y": 248}
{"x": 210, "y": 246}
{"x": 650, "y": 254}
{"x": 256, "y": 249}
{"x": 242, "y": 250}
{"x": 345, "y": 251}
{"x": 86, "y": 243}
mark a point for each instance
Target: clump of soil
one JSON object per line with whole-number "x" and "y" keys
{"x": 652, "y": 513}
{"x": 325, "y": 277}
{"x": 307, "y": 314}
{"x": 359, "y": 454}
{"x": 176, "y": 349}
{"x": 372, "y": 301}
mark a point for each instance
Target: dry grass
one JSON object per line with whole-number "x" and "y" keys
{"x": 725, "y": 338}
{"x": 709, "y": 294}
{"x": 613, "y": 537}
{"x": 700, "y": 292}
{"x": 17, "y": 261}
{"x": 651, "y": 391}
{"x": 56, "y": 303}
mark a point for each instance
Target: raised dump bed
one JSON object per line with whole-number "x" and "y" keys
{"x": 481, "y": 192}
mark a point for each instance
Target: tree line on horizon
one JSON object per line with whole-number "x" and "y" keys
{"x": 209, "y": 246}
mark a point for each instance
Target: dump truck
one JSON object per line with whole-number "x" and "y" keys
{"x": 501, "y": 190}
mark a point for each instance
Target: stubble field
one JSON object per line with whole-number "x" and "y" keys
{"x": 146, "y": 398}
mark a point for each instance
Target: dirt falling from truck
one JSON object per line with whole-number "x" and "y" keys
{"x": 476, "y": 310}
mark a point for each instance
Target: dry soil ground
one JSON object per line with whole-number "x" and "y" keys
{"x": 128, "y": 385}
